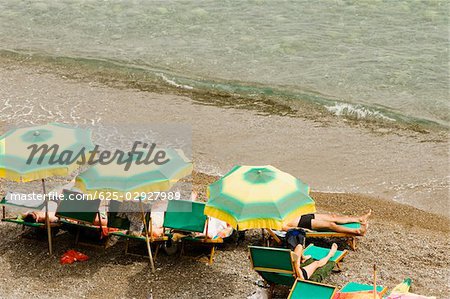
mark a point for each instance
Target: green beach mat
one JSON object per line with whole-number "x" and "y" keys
{"x": 87, "y": 226}
{"x": 304, "y": 290}
{"x": 21, "y": 222}
{"x": 354, "y": 225}
{"x": 318, "y": 253}
{"x": 359, "y": 287}
{"x": 125, "y": 235}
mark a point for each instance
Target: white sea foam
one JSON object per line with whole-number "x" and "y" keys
{"x": 173, "y": 83}
{"x": 356, "y": 111}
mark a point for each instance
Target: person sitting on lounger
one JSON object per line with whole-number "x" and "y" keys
{"x": 330, "y": 222}
{"x": 307, "y": 271}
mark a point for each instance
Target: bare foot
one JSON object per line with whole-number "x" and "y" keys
{"x": 363, "y": 229}
{"x": 333, "y": 250}
{"x": 363, "y": 219}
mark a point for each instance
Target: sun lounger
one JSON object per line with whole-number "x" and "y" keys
{"x": 188, "y": 217}
{"x": 277, "y": 265}
{"x": 353, "y": 287}
{"x": 351, "y": 239}
{"x": 81, "y": 215}
{"x": 18, "y": 220}
{"x": 303, "y": 289}
{"x": 123, "y": 225}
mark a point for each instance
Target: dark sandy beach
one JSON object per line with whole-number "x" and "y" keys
{"x": 402, "y": 241}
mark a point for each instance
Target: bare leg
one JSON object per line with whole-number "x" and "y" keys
{"x": 317, "y": 224}
{"x": 299, "y": 252}
{"x": 320, "y": 263}
{"x": 342, "y": 219}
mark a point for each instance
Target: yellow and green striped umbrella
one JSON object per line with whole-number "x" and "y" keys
{"x": 258, "y": 197}
{"x": 113, "y": 180}
{"x": 15, "y": 162}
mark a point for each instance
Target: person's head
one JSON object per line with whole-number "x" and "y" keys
{"x": 30, "y": 217}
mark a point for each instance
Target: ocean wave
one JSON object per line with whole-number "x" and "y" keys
{"x": 278, "y": 100}
{"x": 356, "y": 111}
{"x": 173, "y": 83}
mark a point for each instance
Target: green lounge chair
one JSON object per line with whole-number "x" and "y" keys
{"x": 303, "y": 289}
{"x": 277, "y": 265}
{"x": 352, "y": 287}
{"x": 123, "y": 224}
{"x": 19, "y": 220}
{"x": 188, "y": 216}
{"x": 79, "y": 214}
{"x": 351, "y": 239}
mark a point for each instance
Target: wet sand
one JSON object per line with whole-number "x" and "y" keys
{"x": 405, "y": 166}
{"x": 344, "y": 162}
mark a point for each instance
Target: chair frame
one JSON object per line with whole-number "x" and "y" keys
{"x": 159, "y": 241}
{"x": 203, "y": 241}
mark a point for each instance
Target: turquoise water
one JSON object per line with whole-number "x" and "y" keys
{"x": 369, "y": 58}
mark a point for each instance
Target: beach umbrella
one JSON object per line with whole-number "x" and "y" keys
{"x": 102, "y": 179}
{"x": 39, "y": 152}
{"x": 114, "y": 181}
{"x": 258, "y": 197}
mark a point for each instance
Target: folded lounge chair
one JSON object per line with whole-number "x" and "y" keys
{"x": 277, "y": 265}
{"x": 188, "y": 217}
{"x": 123, "y": 225}
{"x": 353, "y": 287}
{"x": 303, "y": 289}
{"x": 351, "y": 239}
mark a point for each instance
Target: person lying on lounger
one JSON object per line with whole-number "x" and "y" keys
{"x": 38, "y": 217}
{"x": 330, "y": 222}
{"x": 307, "y": 271}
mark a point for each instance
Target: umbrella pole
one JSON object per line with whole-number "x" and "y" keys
{"x": 375, "y": 281}
{"x": 149, "y": 249}
{"x": 47, "y": 220}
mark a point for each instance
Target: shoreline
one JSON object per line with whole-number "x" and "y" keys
{"x": 330, "y": 157}
{"x": 242, "y": 95}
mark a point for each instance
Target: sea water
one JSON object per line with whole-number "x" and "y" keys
{"x": 370, "y": 58}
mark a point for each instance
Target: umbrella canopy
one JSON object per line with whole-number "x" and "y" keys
{"x": 17, "y": 163}
{"x": 139, "y": 178}
{"x": 258, "y": 197}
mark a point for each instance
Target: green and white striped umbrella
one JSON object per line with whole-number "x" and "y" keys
{"x": 258, "y": 197}
{"x": 15, "y": 151}
{"x": 113, "y": 180}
